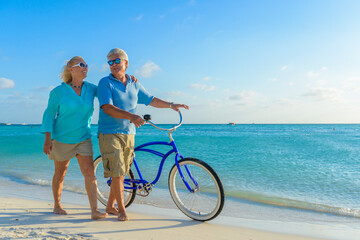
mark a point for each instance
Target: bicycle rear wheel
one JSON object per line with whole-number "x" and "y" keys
{"x": 103, "y": 184}
{"x": 206, "y": 198}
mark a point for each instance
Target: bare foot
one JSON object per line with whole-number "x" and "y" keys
{"x": 112, "y": 211}
{"x": 122, "y": 217}
{"x": 60, "y": 211}
{"x": 96, "y": 215}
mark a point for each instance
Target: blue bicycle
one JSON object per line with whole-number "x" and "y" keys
{"x": 194, "y": 186}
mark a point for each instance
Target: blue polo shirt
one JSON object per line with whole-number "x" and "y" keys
{"x": 112, "y": 91}
{"x": 68, "y": 115}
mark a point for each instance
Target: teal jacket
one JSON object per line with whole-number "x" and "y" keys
{"x": 68, "y": 115}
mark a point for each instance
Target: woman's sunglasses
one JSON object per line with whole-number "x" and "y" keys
{"x": 82, "y": 65}
{"x": 111, "y": 62}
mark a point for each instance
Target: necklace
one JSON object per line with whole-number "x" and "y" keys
{"x": 75, "y": 85}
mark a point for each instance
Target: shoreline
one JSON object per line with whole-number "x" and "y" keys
{"x": 234, "y": 207}
{"x": 35, "y": 220}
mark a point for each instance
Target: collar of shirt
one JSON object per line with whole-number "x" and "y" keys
{"x": 114, "y": 79}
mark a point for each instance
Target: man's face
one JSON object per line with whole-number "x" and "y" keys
{"x": 117, "y": 68}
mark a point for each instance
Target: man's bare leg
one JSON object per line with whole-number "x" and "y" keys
{"x": 117, "y": 188}
{"x": 87, "y": 169}
{"x": 110, "y": 207}
{"x": 57, "y": 185}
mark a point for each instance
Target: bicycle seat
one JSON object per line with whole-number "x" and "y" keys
{"x": 147, "y": 117}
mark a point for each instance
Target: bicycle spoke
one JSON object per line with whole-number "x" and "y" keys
{"x": 206, "y": 199}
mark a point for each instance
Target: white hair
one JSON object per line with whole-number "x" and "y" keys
{"x": 119, "y": 51}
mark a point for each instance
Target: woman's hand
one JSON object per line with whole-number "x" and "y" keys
{"x": 176, "y": 107}
{"x": 135, "y": 80}
{"x": 47, "y": 144}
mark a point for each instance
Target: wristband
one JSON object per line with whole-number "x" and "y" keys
{"x": 171, "y": 104}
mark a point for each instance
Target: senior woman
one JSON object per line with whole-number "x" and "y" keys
{"x": 118, "y": 97}
{"x": 66, "y": 123}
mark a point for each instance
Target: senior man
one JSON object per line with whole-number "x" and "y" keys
{"x": 118, "y": 96}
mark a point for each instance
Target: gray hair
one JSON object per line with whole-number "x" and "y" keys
{"x": 119, "y": 51}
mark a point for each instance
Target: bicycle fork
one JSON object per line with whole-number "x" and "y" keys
{"x": 196, "y": 184}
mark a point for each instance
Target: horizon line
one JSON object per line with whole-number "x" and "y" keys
{"x": 94, "y": 124}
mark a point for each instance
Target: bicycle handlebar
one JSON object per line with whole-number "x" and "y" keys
{"x": 165, "y": 129}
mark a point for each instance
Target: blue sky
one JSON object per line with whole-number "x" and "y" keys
{"x": 230, "y": 61}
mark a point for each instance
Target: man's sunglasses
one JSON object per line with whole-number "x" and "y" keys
{"x": 82, "y": 65}
{"x": 117, "y": 61}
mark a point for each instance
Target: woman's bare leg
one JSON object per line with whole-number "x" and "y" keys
{"x": 57, "y": 185}
{"x": 87, "y": 169}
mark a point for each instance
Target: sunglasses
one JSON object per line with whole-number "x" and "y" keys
{"x": 117, "y": 61}
{"x": 82, "y": 65}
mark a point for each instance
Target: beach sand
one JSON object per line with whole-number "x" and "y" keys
{"x": 26, "y": 213}
{"x": 29, "y": 219}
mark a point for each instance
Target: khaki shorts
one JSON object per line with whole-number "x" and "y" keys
{"x": 117, "y": 151}
{"x": 63, "y": 151}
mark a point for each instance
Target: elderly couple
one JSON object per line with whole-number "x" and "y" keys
{"x": 66, "y": 124}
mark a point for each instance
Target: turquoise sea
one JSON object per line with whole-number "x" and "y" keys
{"x": 307, "y": 167}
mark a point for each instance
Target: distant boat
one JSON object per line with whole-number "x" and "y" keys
{"x": 232, "y": 124}
{"x": 8, "y": 124}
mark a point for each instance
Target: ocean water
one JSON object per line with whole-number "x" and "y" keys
{"x": 304, "y": 167}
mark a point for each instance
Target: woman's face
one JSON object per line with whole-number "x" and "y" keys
{"x": 120, "y": 67}
{"x": 79, "y": 69}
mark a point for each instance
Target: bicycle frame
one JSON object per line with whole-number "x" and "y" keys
{"x": 164, "y": 157}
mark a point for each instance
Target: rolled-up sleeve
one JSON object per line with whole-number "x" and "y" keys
{"x": 104, "y": 92}
{"x": 143, "y": 96}
{"x": 50, "y": 113}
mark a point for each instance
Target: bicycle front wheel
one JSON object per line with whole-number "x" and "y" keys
{"x": 103, "y": 184}
{"x": 205, "y": 199}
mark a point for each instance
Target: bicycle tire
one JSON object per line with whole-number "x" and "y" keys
{"x": 103, "y": 188}
{"x": 209, "y": 191}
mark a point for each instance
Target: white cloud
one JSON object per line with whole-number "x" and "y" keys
{"x": 286, "y": 102}
{"x": 207, "y": 78}
{"x": 219, "y": 32}
{"x": 313, "y": 73}
{"x": 174, "y": 93}
{"x": 273, "y": 79}
{"x": 324, "y": 94}
{"x": 191, "y": 3}
{"x": 6, "y": 83}
{"x": 321, "y": 82}
{"x": 147, "y": 70}
{"x": 139, "y": 18}
{"x": 44, "y": 89}
{"x": 2, "y": 57}
{"x": 202, "y": 87}
{"x": 284, "y": 68}
{"x": 104, "y": 67}
{"x": 245, "y": 97}
{"x": 60, "y": 54}
{"x": 352, "y": 84}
